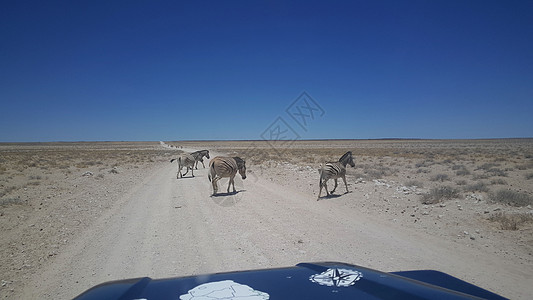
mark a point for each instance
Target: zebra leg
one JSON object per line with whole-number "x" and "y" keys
{"x": 229, "y": 184}
{"x": 196, "y": 165}
{"x": 334, "y": 188}
{"x": 192, "y": 171}
{"x": 320, "y": 190}
{"x": 215, "y": 186}
{"x": 202, "y": 164}
{"x": 233, "y": 182}
{"x": 185, "y": 172}
{"x": 326, "y": 187}
{"x": 344, "y": 179}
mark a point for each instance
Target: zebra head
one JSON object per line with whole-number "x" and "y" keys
{"x": 207, "y": 154}
{"x": 347, "y": 159}
{"x": 241, "y": 164}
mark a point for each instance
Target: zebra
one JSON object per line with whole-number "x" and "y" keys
{"x": 334, "y": 170}
{"x": 185, "y": 160}
{"x": 198, "y": 157}
{"x": 222, "y": 166}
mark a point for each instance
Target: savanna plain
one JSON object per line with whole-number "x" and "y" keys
{"x": 73, "y": 215}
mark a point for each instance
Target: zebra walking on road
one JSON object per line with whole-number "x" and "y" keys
{"x": 334, "y": 170}
{"x": 198, "y": 157}
{"x": 185, "y": 160}
{"x": 220, "y": 167}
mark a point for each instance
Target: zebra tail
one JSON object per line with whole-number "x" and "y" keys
{"x": 209, "y": 174}
{"x": 320, "y": 170}
{"x": 172, "y": 160}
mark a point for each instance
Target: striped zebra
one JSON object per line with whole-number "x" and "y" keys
{"x": 222, "y": 166}
{"x": 198, "y": 157}
{"x": 185, "y": 160}
{"x": 334, "y": 170}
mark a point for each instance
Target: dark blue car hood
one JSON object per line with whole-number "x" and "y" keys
{"x": 328, "y": 280}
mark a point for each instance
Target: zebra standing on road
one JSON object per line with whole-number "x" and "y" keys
{"x": 198, "y": 157}
{"x": 185, "y": 160}
{"x": 221, "y": 166}
{"x": 334, "y": 170}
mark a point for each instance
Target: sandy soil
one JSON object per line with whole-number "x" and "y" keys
{"x": 65, "y": 230}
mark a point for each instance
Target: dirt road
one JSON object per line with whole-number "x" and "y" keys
{"x": 168, "y": 227}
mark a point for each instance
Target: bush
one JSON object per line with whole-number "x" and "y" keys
{"x": 487, "y": 166}
{"x": 511, "y": 198}
{"x": 477, "y": 187}
{"x": 497, "y": 172}
{"x": 462, "y": 172}
{"x": 10, "y": 201}
{"x": 440, "y": 177}
{"x": 511, "y": 222}
{"x": 498, "y": 181}
{"x": 439, "y": 194}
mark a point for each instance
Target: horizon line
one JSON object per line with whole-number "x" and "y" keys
{"x": 263, "y": 140}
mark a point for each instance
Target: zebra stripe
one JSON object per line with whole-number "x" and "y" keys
{"x": 334, "y": 170}
{"x": 221, "y": 166}
{"x": 185, "y": 160}
{"x": 198, "y": 157}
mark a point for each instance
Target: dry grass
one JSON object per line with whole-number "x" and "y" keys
{"x": 467, "y": 166}
{"x": 440, "y": 177}
{"x": 11, "y": 201}
{"x": 439, "y": 194}
{"x": 511, "y": 221}
{"x": 477, "y": 187}
{"x": 512, "y": 198}
{"x": 27, "y": 166}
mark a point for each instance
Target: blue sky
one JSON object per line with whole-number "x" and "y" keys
{"x": 182, "y": 70}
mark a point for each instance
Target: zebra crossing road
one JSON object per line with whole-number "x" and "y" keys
{"x": 166, "y": 227}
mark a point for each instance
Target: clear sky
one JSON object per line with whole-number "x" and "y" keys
{"x": 181, "y": 70}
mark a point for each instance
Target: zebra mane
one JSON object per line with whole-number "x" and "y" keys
{"x": 349, "y": 153}
{"x": 200, "y": 153}
{"x": 240, "y": 162}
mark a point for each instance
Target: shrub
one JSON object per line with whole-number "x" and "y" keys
{"x": 462, "y": 172}
{"x": 378, "y": 172}
{"x": 9, "y": 201}
{"x": 438, "y": 194}
{"x": 497, "y": 172}
{"x": 529, "y": 176}
{"x": 8, "y": 190}
{"x": 440, "y": 177}
{"x": 421, "y": 170}
{"x": 525, "y": 166}
{"x": 511, "y": 198}
{"x": 426, "y": 163}
{"x": 511, "y": 222}
{"x": 498, "y": 181}
{"x": 477, "y": 187}
{"x": 487, "y": 166}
